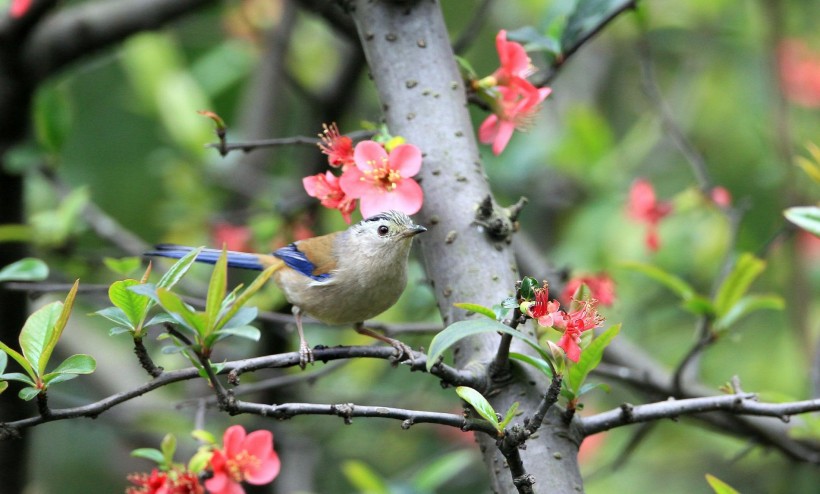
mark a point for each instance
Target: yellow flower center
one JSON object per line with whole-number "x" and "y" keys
{"x": 382, "y": 176}
{"x": 240, "y": 463}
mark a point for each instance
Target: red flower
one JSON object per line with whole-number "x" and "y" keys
{"x": 601, "y": 286}
{"x": 244, "y": 458}
{"x": 577, "y": 322}
{"x": 19, "y": 8}
{"x": 544, "y": 310}
{"x": 644, "y": 206}
{"x": 800, "y": 73}
{"x": 326, "y": 188}
{"x": 515, "y": 107}
{"x": 233, "y": 237}
{"x": 172, "y": 482}
{"x": 338, "y": 148}
{"x": 381, "y": 181}
{"x": 515, "y": 63}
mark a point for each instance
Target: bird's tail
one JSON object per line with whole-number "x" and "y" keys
{"x": 241, "y": 260}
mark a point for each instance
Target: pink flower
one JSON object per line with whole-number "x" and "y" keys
{"x": 381, "y": 181}
{"x": 245, "y": 458}
{"x": 515, "y": 107}
{"x": 800, "y": 73}
{"x": 577, "y": 322}
{"x": 326, "y": 188}
{"x": 644, "y": 206}
{"x": 19, "y": 8}
{"x": 515, "y": 63}
{"x": 721, "y": 197}
{"x": 544, "y": 310}
{"x": 338, "y": 148}
{"x": 601, "y": 287}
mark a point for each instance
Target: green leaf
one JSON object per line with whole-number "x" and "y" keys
{"x": 203, "y": 436}
{"x": 4, "y": 360}
{"x": 480, "y": 404}
{"x": 587, "y": 16}
{"x": 76, "y": 364}
{"x": 683, "y": 289}
{"x": 441, "y": 470}
{"x": 52, "y": 116}
{"x": 36, "y": 333}
{"x": 178, "y": 270}
{"x": 117, "y": 330}
{"x": 242, "y": 299}
{"x": 16, "y": 376}
{"x": 181, "y": 311}
{"x": 590, "y": 358}
{"x": 247, "y": 332}
{"x": 534, "y": 40}
{"x": 806, "y": 217}
{"x": 528, "y": 287}
{"x": 28, "y": 269}
{"x": 123, "y": 266}
{"x": 55, "y": 332}
{"x": 747, "y": 305}
{"x": 509, "y": 415}
{"x": 115, "y": 315}
{"x": 3, "y": 386}
{"x": 52, "y": 378}
{"x": 168, "y": 446}
{"x": 455, "y": 332}
{"x": 478, "y": 309}
{"x": 20, "y": 359}
{"x": 363, "y": 478}
{"x": 160, "y": 319}
{"x": 217, "y": 289}
{"x": 719, "y": 486}
{"x": 15, "y": 233}
{"x": 535, "y": 362}
{"x": 28, "y": 394}
{"x": 242, "y": 317}
{"x": 737, "y": 282}
{"x": 135, "y": 306}
{"x": 152, "y": 454}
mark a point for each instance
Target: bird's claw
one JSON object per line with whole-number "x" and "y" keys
{"x": 403, "y": 352}
{"x": 305, "y": 356}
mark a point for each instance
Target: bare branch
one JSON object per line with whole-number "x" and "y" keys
{"x": 742, "y": 404}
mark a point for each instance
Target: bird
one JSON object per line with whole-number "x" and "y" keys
{"x": 344, "y": 277}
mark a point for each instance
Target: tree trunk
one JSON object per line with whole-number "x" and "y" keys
{"x": 423, "y": 99}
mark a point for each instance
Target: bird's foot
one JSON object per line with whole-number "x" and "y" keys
{"x": 403, "y": 351}
{"x": 305, "y": 356}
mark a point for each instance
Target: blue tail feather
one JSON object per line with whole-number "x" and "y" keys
{"x": 241, "y": 260}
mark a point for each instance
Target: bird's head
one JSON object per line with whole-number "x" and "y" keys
{"x": 385, "y": 232}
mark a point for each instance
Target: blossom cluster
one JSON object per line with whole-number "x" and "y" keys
{"x": 378, "y": 175}
{"x": 242, "y": 458}
{"x": 582, "y": 316}
{"x": 513, "y": 99}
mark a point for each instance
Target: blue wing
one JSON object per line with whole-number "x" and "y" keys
{"x": 299, "y": 261}
{"x": 241, "y": 260}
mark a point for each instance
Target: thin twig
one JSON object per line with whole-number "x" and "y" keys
{"x": 225, "y": 147}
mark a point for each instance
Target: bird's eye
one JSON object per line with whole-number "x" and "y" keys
{"x": 383, "y": 230}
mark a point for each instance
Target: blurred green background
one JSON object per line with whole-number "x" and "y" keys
{"x": 122, "y": 132}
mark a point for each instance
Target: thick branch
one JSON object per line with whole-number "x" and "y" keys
{"x": 77, "y": 32}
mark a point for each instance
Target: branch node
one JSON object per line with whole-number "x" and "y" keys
{"x": 344, "y": 410}
{"x": 405, "y": 425}
{"x": 500, "y": 223}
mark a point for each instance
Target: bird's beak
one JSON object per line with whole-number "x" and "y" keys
{"x": 413, "y": 231}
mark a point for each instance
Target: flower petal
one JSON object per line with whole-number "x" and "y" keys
{"x": 266, "y": 471}
{"x": 368, "y": 153}
{"x": 352, "y": 184}
{"x": 488, "y": 129}
{"x": 232, "y": 440}
{"x": 406, "y": 159}
{"x": 503, "y": 136}
{"x": 407, "y": 197}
